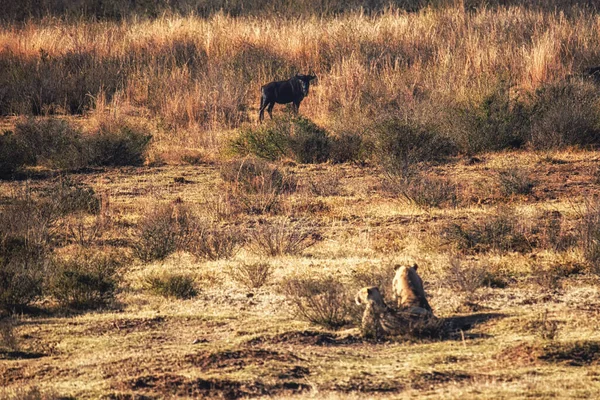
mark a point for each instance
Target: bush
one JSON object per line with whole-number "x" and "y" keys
{"x": 499, "y": 232}
{"x": 118, "y": 143}
{"x": 13, "y": 155}
{"x": 175, "y": 285}
{"x": 321, "y": 300}
{"x": 296, "y": 137}
{"x": 369, "y": 275}
{"x": 347, "y": 147}
{"x": 400, "y": 144}
{"x": 163, "y": 231}
{"x": 86, "y": 281}
{"x": 253, "y": 276}
{"x": 493, "y": 123}
{"x": 283, "y": 236}
{"x": 468, "y": 278}
{"x": 565, "y": 114}
{"x": 515, "y": 180}
{"x": 423, "y": 190}
{"x": 256, "y": 185}
{"x": 213, "y": 242}
{"x": 22, "y": 274}
{"x": 52, "y": 142}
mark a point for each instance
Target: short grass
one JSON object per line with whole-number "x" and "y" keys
{"x": 233, "y": 341}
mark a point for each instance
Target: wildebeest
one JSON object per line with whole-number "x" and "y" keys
{"x": 283, "y": 92}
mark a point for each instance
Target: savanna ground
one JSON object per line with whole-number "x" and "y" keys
{"x": 156, "y": 243}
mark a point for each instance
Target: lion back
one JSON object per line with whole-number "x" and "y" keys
{"x": 408, "y": 288}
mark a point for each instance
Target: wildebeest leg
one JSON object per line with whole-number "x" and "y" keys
{"x": 261, "y": 112}
{"x": 296, "y": 107}
{"x": 270, "y": 109}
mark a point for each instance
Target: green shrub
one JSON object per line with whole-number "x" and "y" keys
{"x": 118, "y": 143}
{"x": 52, "y": 142}
{"x": 401, "y": 143}
{"x": 176, "y": 285}
{"x": 492, "y": 123}
{"x": 13, "y": 155}
{"x": 86, "y": 281}
{"x": 321, "y": 300}
{"x": 296, "y": 137}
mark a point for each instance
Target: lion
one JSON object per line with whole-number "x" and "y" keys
{"x": 371, "y": 298}
{"x": 379, "y": 320}
{"x": 407, "y": 288}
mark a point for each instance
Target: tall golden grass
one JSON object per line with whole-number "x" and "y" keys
{"x": 198, "y": 77}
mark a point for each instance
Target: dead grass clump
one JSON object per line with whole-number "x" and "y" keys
{"x": 13, "y": 155}
{"x": 424, "y": 190}
{"x": 323, "y": 301}
{"x": 170, "y": 284}
{"x": 515, "y": 180}
{"x": 161, "y": 232}
{"x": 85, "y": 281}
{"x": 325, "y": 185}
{"x": 283, "y": 236}
{"x": 211, "y": 241}
{"x": 470, "y": 277}
{"x": 552, "y": 233}
{"x": 256, "y": 185}
{"x": 543, "y": 327}
{"x": 498, "y": 232}
{"x": 252, "y": 276}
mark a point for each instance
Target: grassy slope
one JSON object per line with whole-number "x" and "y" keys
{"x": 147, "y": 346}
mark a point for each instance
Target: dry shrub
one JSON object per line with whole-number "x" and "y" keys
{"x": 552, "y": 233}
{"x": 422, "y": 189}
{"x": 500, "y": 231}
{"x": 86, "y": 281}
{"x": 326, "y": 184}
{"x": 283, "y": 236}
{"x": 13, "y": 155}
{"x": 169, "y": 284}
{"x": 565, "y": 114}
{"x": 252, "y": 276}
{"x": 348, "y": 147}
{"x": 256, "y": 185}
{"x": 323, "y": 301}
{"x": 163, "y": 231}
{"x": 468, "y": 278}
{"x": 543, "y": 327}
{"x": 211, "y": 241}
{"x": 515, "y": 180}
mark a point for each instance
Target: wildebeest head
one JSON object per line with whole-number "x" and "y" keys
{"x": 305, "y": 82}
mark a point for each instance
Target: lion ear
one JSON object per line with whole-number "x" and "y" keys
{"x": 415, "y": 266}
{"x": 396, "y": 267}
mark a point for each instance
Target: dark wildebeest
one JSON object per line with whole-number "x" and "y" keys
{"x": 283, "y": 92}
